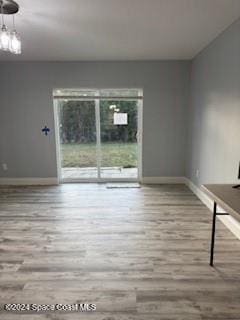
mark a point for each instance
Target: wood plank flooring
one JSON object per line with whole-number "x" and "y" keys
{"x": 138, "y": 254}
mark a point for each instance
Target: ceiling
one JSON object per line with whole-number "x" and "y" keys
{"x": 73, "y": 30}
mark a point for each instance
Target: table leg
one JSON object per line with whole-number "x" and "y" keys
{"x": 213, "y": 233}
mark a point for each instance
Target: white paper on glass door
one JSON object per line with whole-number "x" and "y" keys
{"x": 120, "y": 118}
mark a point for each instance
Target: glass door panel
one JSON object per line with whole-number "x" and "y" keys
{"x": 77, "y": 126}
{"x": 119, "y": 145}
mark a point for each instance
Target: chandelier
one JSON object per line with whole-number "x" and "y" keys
{"x": 9, "y": 39}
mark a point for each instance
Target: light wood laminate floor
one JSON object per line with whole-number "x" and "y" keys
{"x": 138, "y": 254}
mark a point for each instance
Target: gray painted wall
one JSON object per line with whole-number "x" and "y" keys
{"x": 214, "y": 120}
{"x": 26, "y": 106}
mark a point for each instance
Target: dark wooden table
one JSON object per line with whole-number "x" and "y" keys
{"x": 228, "y": 199}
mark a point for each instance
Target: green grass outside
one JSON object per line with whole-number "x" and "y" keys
{"x": 112, "y": 155}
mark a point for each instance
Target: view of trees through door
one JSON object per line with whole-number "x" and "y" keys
{"x": 98, "y": 137}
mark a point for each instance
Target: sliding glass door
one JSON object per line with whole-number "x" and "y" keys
{"x": 78, "y": 145}
{"x": 119, "y": 145}
{"x": 99, "y": 135}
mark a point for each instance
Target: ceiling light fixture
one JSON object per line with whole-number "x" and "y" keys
{"x": 9, "y": 40}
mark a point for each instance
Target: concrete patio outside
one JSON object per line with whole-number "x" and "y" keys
{"x": 106, "y": 172}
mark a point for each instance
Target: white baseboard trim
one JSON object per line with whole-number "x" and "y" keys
{"x": 28, "y": 181}
{"x": 232, "y": 224}
{"x": 163, "y": 180}
{"x": 199, "y": 193}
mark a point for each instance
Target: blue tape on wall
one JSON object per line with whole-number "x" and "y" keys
{"x": 46, "y": 130}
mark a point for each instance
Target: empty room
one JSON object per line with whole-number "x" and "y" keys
{"x": 120, "y": 160}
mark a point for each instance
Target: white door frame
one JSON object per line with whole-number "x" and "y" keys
{"x": 98, "y": 138}
{"x": 98, "y": 141}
